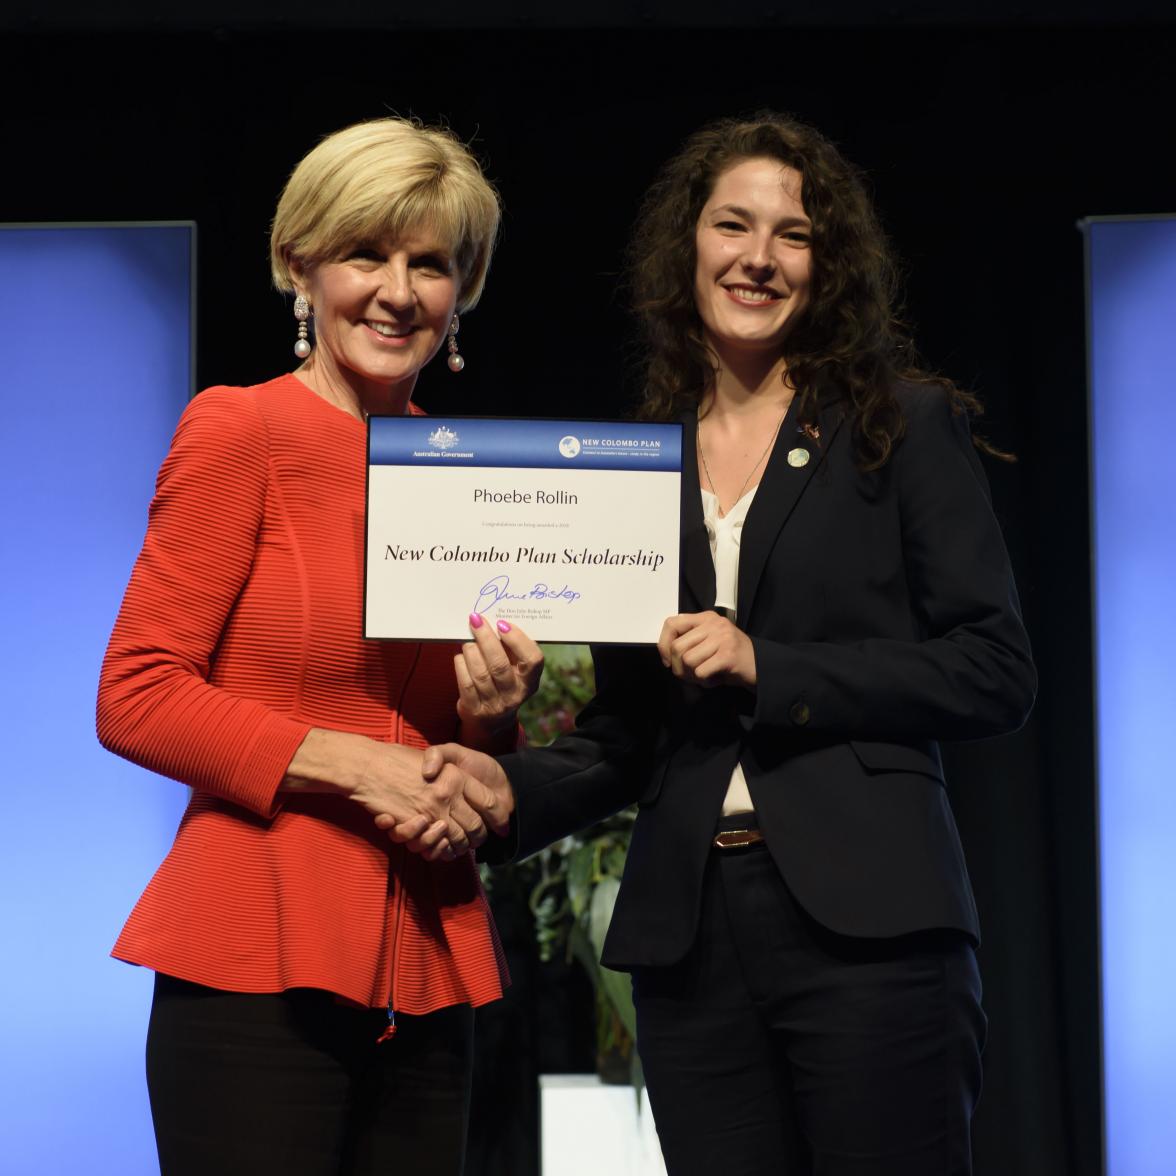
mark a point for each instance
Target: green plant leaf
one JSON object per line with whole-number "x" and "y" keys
{"x": 604, "y": 898}
{"x": 580, "y": 869}
{"x": 616, "y": 985}
{"x": 612, "y": 857}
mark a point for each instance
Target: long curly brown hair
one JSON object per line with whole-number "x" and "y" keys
{"x": 849, "y": 341}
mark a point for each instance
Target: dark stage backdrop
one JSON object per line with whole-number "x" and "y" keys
{"x": 984, "y": 147}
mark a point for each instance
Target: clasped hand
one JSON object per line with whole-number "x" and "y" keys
{"x": 465, "y": 791}
{"x": 474, "y": 792}
{"x": 707, "y": 649}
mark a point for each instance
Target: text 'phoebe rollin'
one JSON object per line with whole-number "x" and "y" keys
{"x": 540, "y": 497}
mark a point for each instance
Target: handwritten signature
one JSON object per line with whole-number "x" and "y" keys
{"x": 498, "y": 589}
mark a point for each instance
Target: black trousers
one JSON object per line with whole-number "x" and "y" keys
{"x": 294, "y": 1083}
{"x": 778, "y": 1047}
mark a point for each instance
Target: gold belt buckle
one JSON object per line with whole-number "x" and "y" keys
{"x": 737, "y": 839}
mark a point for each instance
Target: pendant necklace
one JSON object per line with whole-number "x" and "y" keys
{"x": 758, "y": 461}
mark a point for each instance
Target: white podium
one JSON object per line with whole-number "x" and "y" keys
{"x": 589, "y": 1128}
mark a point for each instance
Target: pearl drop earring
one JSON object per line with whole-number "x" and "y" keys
{"x": 301, "y": 313}
{"x": 456, "y": 361}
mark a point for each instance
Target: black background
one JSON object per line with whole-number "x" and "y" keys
{"x": 987, "y": 134}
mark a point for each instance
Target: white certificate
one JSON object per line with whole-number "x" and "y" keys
{"x": 569, "y": 528}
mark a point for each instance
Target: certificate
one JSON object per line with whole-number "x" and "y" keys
{"x": 569, "y": 528}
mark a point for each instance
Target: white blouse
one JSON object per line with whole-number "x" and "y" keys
{"x": 724, "y": 534}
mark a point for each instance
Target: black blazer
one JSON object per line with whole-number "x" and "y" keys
{"x": 884, "y": 616}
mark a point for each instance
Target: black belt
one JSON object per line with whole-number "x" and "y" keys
{"x": 738, "y": 831}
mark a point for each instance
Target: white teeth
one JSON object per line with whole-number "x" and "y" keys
{"x": 387, "y": 329}
{"x": 752, "y": 295}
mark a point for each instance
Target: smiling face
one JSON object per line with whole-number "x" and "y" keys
{"x": 380, "y": 314}
{"x": 753, "y": 264}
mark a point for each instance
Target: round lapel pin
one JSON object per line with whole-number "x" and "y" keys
{"x": 798, "y": 457}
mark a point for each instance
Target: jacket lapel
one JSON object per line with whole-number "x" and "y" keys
{"x": 698, "y": 569}
{"x": 794, "y": 459}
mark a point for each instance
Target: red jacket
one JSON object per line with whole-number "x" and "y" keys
{"x": 240, "y": 630}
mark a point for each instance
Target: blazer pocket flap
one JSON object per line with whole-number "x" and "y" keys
{"x": 898, "y": 757}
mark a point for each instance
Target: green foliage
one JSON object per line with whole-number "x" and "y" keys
{"x": 573, "y": 884}
{"x": 565, "y": 689}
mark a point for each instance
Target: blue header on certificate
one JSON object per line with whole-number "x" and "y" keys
{"x": 525, "y": 444}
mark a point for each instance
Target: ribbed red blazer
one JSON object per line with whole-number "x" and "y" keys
{"x": 240, "y": 630}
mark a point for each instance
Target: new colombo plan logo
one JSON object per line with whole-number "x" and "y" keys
{"x": 569, "y": 446}
{"x": 443, "y": 438}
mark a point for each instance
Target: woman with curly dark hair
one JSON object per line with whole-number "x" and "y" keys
{"x": 795, "y": 911}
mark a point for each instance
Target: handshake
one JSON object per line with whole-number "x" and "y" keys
{"x": 464, "y": 795}
{"x": 440, "y": 803}
{"x": 444, "y": 801}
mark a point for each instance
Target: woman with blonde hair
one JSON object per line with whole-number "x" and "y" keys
{"x": 315, "y": 983}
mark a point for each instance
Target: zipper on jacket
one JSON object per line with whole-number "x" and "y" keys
{"x": 398, "y": 912}
{"x": 397, "y": 926}
{"x": 389, "y": 1029}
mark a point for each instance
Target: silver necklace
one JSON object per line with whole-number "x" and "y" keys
{"x": 758, "y": 460}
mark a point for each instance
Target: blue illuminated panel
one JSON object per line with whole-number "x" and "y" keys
{"x": 97, "y": 368}
{"x": 1132, "y": 316}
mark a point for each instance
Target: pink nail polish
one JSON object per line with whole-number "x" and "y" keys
{"x": 504, "y": 626}
{"x": 475, "y": 620}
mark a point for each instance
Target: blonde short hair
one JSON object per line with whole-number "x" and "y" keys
{"x": 377, "y": 180}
